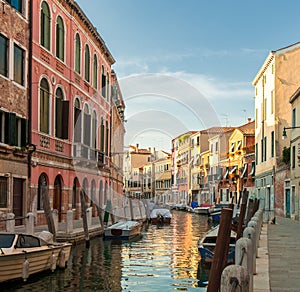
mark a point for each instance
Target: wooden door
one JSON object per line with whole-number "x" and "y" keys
{"x": 18, "y": 200}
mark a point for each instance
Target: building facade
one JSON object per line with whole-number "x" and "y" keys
{"x": 14, "y": 108}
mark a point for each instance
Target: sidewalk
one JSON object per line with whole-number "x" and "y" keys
{"x": 278, "y": 262}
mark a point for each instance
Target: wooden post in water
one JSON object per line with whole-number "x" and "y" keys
{"x": 221, "y": 250}
{"x": 84, "y": 219}
{"x": 241, "y": 222}
{"x": 249, "y": 211}
{"x": 47, "y": 210}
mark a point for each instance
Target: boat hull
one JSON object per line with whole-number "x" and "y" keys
{"x": 122, "y": 231}
{"x": 157, "y": 221}
{"x": 39, "y": 259}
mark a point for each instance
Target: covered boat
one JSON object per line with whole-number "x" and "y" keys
{"x": 22, "y": 255}
{"x": 207, "y": 245}
{"x": 160, "y": 216}
{"x": 123, "y": 230}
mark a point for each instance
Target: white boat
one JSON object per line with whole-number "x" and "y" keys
{"x": 204, "y": 209}
{"x": 22, "y": 255}
{"x": 207, "y": 245}
{"x": 123, "y": 230}
{"x": 160, "y": 216}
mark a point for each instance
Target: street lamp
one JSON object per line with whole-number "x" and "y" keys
{"x": 284, "y": 135}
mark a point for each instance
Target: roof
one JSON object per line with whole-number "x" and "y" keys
{"x": 248, "y": 129}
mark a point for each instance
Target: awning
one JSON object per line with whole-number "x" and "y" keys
{"x": 244, "y": 170}
{"x": 233, "y": 169}
{"x": 226, "y": 173}
{"x": 252, "y": 172}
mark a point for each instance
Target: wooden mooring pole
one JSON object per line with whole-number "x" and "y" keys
{"x": 221, "y": 250}
{"x": 84, "y": 219}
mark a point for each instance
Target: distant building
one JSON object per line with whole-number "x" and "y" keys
{"x": 276, "y": 81}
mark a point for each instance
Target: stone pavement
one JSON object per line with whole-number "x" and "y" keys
{"x": 278, "y": 262}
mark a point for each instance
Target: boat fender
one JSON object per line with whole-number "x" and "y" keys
{"x": 53, "y": 262}
{"x": 62, "y": 259}
{"x": 25, "y": 270}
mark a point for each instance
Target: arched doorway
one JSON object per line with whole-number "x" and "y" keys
{"x": 57, "y": 196}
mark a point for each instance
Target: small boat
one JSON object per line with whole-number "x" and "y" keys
{"x": 204, "y": 209}
{"x": 123, "y": 230}
{"x": 22, "y": 255}
{"x": 160, "y": 216}
{"x": 207, "y": 245}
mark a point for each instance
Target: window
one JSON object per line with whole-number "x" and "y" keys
{"x": 107, "y": 87}
{"x": 77, "y": 53}
{"x": 60, "y": 39}
{"x": 77, "y": 121}
{"x": 45, "y": 26}
{"x": 19, "y": 57}
{"x": 272, "y": 144}
{"x": 95, "y": 72}
{"x": 4, "y": 55}
{"x": 272, "y": 102}
{"x": 94, "y": 130}
{"x": 106, "y": 138}
{"x": 17, "y": 4}
{"x": 86, "y": 126}
{"x": 13, "y": 129}
{"x": 293, "y": 156}
{"x": 102, "y": 136}
{"x": 294, "y": 117}
{"x": 3, "y": 192}
{"x": 103, "y": 82}
{"x": 87, "y": 63}
{"x": 61, "y": 115}
{"x": 44, "y": 106}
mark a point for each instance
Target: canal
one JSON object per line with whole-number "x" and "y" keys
{"x": 162, "y": 259}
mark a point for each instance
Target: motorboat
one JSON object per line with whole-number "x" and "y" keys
{"x": 22, "y": 254}
{"x": 207, "y": 245}
{"x": 123, "y": 230}
{"x": 160, "y": 216}
{"x": 204, "y": 209}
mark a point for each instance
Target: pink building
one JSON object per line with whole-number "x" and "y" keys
{"x": 70, "y": 110}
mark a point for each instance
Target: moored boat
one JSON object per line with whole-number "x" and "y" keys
{"x": 123, "y": 230}
{"x": 207, "y": 245}
{"x": 160, "y": 216}
{"x": 22, "y": 255}
{"x": 203, "y": 209}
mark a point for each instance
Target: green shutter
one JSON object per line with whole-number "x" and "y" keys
{"x": 65, "y": 119}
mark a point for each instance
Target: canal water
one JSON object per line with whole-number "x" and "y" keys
{"x": 163, "y": 259}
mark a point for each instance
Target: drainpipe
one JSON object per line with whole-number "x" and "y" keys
{"x": 29, "y": 130}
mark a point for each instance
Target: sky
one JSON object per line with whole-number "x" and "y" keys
{"x": 189, "y": 65}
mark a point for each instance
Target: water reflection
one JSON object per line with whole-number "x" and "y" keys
{"x": 163, "y": 259}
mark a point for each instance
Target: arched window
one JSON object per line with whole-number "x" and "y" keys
{"x": 94, "y": 130}
{"x": 102, "y": 136}
{"x": 86, "y": 126}
{"x": 87, "y": 63}
{"x": 42, "y": 189}
{"x": 61, "y": 115}
{"x": 77, "y": 53}
{"x": 75, "y": 192}
{"x": 60, "y": 39}
{"x": 95, "y": 72}
{"x": 103, "y": 82}
{"x": 45, "y": 26}
{"x": 44, "y": 106}
{"x": 77, "y": 121}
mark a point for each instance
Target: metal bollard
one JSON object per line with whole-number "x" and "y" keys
{"x": 235, "y": 278}
{"x": 244, "y": 257}
{"x": 249, "y": 232}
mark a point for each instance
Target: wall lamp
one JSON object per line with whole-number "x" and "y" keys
{"x": 284, "y": 135}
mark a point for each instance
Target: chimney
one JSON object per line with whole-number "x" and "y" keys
{"x": 249, "y": 120}
{"x": 137, "y": 148}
